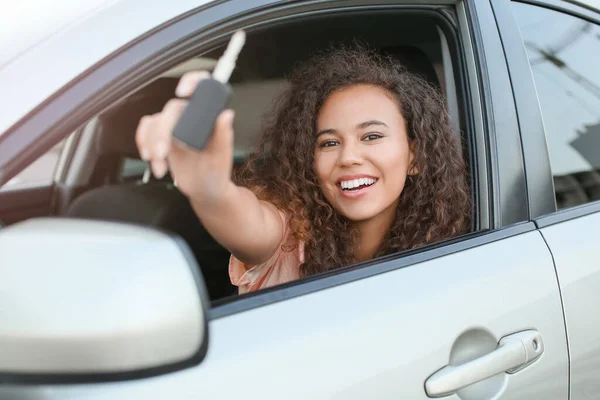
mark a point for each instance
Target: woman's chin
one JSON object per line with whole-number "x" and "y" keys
{"x": 357, "y": 216}
{"x": 363, "y": 213}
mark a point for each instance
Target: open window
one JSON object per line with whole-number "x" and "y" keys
{"x": 118, "y": 185}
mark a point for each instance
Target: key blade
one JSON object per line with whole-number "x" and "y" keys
{"x": 226, "y": 63}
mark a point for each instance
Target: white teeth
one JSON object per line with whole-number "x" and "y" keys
{"x": 354, "y": 183}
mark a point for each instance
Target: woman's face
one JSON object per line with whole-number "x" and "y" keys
{"x": 362, "y": 152}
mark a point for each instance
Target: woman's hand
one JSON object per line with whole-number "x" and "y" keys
{"x": 249, "y": 228}
{"x": 203, "y": 176}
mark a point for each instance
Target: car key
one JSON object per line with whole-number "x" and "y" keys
{"x": 197, "y": 122}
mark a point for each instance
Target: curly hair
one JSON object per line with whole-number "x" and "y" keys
{"x": 435, "y": 202}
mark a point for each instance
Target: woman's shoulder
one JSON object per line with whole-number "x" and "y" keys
{"x": 283, "y": 266}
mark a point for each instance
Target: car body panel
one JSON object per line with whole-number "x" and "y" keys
{"x": 379, "y": 337}
{"x": 571, "y": 234}
{"x": 576, "y": 251}
{"x": 24, "y": 25}
{"x": 591, "y": 4}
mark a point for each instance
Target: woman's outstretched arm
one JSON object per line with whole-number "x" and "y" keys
{"x": 249, "y": 228}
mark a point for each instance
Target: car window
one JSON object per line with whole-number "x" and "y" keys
{"x": 40, "y": 172}
{"x": 567, "y": 77}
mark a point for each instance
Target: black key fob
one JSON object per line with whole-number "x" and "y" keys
{"x": 197, "y": 123}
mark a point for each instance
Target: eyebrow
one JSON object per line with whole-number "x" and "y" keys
{"x": 372, "y": 122}
{"x": 362, "y": 125}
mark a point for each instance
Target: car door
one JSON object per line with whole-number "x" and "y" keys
{"x": 562, "y": 48}
{"x": 30, "y": 193}
{"x": 477, "y": 317}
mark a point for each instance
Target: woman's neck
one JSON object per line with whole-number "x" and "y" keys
{"x": 372, "y": 232}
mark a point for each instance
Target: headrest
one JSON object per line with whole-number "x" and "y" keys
{"x": 250, "y": 101}
{"x": 117, "y": 127}
{"x": 415, "y": 60}
{"x": 116, "y": 140}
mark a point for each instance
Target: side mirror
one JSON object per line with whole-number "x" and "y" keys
{"x": 87, "y": 300}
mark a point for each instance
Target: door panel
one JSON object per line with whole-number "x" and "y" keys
{"x": 378, "y": 337}
{"x": 18, "y": 204}
{"x": 576, "y": 250}
{"x": 30, "y": 193}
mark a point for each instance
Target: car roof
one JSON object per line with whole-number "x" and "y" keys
{"x": 23, "y": 25}
{"x": 45, "y": 44}
{"x": 593, "y": 4}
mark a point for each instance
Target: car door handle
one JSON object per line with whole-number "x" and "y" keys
{"x": 513, "y": 353}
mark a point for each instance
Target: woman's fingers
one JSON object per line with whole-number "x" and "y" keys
{"x": 155, "y": 132}
{"x": 188, "y": 82}
{"x": 146, "y": 144}
{"x": 156, "y": 138}
{"x": 221, "y": 141}
{"x": 166, "y": 124}
{"x": 154, "y": 142}
{"x": 141, "y": 137}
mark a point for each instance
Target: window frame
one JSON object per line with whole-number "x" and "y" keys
{"x": 501, "y": 181}
{"x": 540, "y": 182}
{"x": 540, "y": 186}
{"x": 50, "y": 177}
{"x": 507, "y": 187}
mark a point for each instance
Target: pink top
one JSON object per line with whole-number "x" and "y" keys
{"x": 282, "y": 267}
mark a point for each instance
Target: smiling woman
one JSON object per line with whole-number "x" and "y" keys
{"x": 356, "y": 160}
{"x": 362, "y": 166}
{"x": 360, "y": 161}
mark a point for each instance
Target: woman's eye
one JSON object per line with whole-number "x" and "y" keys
{"x": 328, "y": 143}
{"x": 372, "y": 136}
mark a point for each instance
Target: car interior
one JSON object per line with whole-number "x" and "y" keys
{"x": 106, "y": 179}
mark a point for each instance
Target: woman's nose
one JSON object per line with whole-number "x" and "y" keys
{"x": 349, "y": 155}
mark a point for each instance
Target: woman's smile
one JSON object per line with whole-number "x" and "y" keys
{"x": 354, "y": 186}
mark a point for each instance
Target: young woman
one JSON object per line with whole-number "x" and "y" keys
{"x": 356, "y": 160}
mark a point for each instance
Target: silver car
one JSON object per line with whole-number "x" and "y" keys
{"x": 110, "y": 288}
